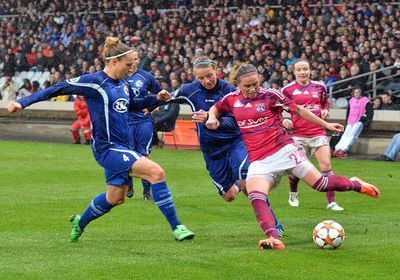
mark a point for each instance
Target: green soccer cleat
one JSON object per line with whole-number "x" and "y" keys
{"x": 181, "y": 233}
{"x": 76, "y": 230}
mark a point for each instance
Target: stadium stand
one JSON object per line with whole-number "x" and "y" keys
{"x": 47, "y": 41}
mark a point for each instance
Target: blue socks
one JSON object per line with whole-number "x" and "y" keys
{"x": 146, "y": 186}
{"x": 273, "y": 214}
{"x": 163, "y": 199}
{"x": 97, "y": 208}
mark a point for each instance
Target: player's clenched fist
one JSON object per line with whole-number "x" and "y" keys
{"x": 14, "y": 107}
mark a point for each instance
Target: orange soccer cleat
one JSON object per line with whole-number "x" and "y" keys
{"x": 367, "y": 188}
{"x": 271, "y": 243}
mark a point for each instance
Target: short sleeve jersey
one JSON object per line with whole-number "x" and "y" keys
{"x": 313, "y": 97}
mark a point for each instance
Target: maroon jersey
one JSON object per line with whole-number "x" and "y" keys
{"x": 259, "y": 120}
{"x": 313, "y": 97}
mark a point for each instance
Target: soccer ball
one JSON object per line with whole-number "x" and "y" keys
{"x": 328, "y": 235}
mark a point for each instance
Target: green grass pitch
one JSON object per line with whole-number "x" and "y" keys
{"x": 42, "y": 184}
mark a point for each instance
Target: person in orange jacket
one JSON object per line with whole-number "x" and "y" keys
{"x": 83, "y": 121}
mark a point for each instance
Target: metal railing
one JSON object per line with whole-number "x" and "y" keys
{"x": 373, "y": 83}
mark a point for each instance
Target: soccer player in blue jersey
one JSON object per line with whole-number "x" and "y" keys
{"x": 223, "y": 149}
{"x": 109, "y": 99}
{"x": 142, "y": 84}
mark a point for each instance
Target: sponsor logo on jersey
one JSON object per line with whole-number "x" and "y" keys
{"x": 210, "y": 100}
{"x": 248, "y": 105}
{"x": 296, "y": 92}
{"x": 139, "y": 83}
{"x": 238, "y": 104}
{"x": 306, "y": 92}
{"x": 252, "y": 123}
{"x": 121, "y": 105}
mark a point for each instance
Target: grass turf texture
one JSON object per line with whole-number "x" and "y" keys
{"x": 42, "y": 184}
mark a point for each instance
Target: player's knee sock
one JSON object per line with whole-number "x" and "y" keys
{"x": 97, "y": 208}
{"x": 330, "y": 196}
{"x": 336, "y": 183}
{"x": 294, "y": 183}
{"x": 146, "y": 186}
{"x": 163, "y": 199}
{"x": 263, "y": 213}
{"x": 272, "y": 212}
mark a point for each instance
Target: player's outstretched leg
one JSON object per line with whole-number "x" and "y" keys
{"x": 293, "y": 193}
{"x": 339, "y": 183}
{"x": 165, "y": 203}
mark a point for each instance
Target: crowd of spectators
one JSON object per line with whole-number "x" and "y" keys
{"x": 65, "y": 37}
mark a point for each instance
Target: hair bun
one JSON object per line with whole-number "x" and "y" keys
{"x": 111, "y": 42}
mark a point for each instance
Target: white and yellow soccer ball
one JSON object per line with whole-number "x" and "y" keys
{"x": 328, "y": 235}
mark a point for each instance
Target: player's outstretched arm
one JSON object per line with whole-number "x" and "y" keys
{"x": 14, "y": 107}
{"x": 309, "y": 116}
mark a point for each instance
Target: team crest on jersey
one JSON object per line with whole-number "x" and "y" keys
{"x": 74, "y": 80}
{"x": 238, "y": 104}
{"x": 121, "y": 105}
{"x": 126, "y": 90}
{"x": 296, "y": 92}
{"x": 315, "y": 94}
{"x": 260, "y": 108}
{"x": 139, "y": 83}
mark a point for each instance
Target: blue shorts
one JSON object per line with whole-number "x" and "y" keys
{"x": 141, "y": 135}
{"x": 228, "y": 166}
{"x": 117, "y": 163}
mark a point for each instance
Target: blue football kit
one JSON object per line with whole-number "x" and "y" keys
{"x": 223, "y": 149}
{"x": 109, "y": 102}
{"x": 142, "y": 83}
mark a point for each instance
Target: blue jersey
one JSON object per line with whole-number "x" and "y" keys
{"x": 109, "y": 102}
{"x": 194, "y": 94}
{"x": 142, "y": 84}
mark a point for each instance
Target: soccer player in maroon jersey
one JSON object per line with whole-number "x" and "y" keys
{"x": 272, "y": 152}
{"x": 311, "y": 137}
